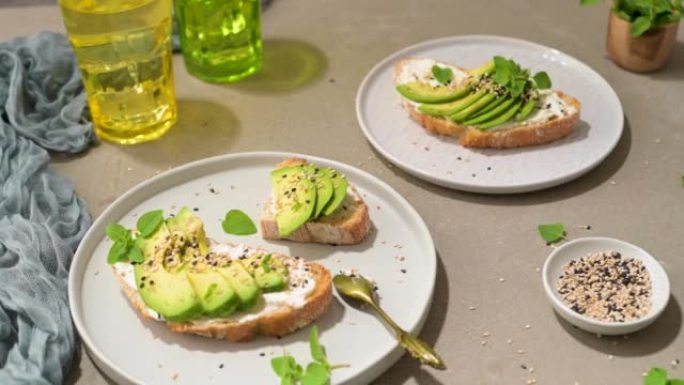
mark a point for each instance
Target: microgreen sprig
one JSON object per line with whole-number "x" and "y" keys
{"x": 516, "y": 80}
{"x": 443, "y": 75}
{"x": 316, "y": 372}
{"x": 237, "y": 222}
{"x": 658, "y": 376}
{"x": 552, "y": 232}
{"x": 126, "y": 248}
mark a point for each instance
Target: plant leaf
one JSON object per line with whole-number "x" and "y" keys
{"x": 316, "y": 374}
{"x": 283, "y": 365}
{"x": 542, "y": 80}
{"x": 640, "y": 26}
{"x": 317, "y": 351}
{"x": 149, "y": 222}
{"x": 589, "y": 2}
{"x": 442, "y": 75}
{"x": 656, "y": 376}
{"x": 676, "y": 381}
{"x": 116, "y": 232}
{"x": 552, "y": 232}
{"x": 117, "y": 253}
{"x": 238, "y": 223}
{"x": 135, "y": 254}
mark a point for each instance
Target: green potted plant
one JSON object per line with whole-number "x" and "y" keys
{"x": 642, "y": 33}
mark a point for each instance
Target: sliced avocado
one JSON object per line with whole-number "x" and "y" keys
{"x": 526, "y": 110}
{"x": 446, "y": 109}
{"x": 503, "y": 118}
{"x": 498, "y": 101}
{"x": 295, "y": 198}
{"x": 340, "y": 185}
{"x": 324, "y": 188}
{"x": 242, "y": 283}
{"x": 481, "y": 103}
{"x": 269, "y": 273}
{"x": 214, "y": 292}
{"x": 216, "y": 295}
{"x": 484, "y": 69}
{"x": 421, "y": 92}
{"x": 168, "y": 293}
{"x": 503, "y": 107}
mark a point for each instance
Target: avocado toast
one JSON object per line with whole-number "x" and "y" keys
{"x": 220, "y": 290}
{"x": 309, "y": 203}
{"x": 497, "y": 105}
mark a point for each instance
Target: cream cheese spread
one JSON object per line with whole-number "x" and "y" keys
{"x": 301, "y": 284}
{"x": 421, "y": 70}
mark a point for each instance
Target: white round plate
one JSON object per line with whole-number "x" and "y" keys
{"x": 136, "y": 351}
{"x": 441, "y": 160}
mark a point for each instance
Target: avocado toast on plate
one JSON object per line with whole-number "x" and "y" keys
{"x": 220, "y": 290}
{"x": 309, "y": 203}
{"x": 497, "y": 105}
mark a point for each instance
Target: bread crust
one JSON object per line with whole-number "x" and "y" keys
{"x": 524, "y": 135}
{"x": 279, "y": 322}
{"x": 348, "y": 225}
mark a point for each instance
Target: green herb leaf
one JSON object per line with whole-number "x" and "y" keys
{"x": 265, "y": 265}
{"x": 542, "y": 80}
{"x": 656, "y": 376}
{"x": 135, "y": 254}
{"x": 676, "y": 381}
{"x": 640, "y": 26}
{"x": 238, "y": 223}
{"x": 316, "y": 374}
{"x": 283, "y": 365}
{"x": 116, "y": 232}
{"x": 149, "y": 222}
{"x": 589, "y": 2}
{"x": 442, "y": 75}
{"x": 117, "y": 253}
{"x": 317, "y": 351}
{"x": 552, "y": 233}
{"x": 622, "y": 15}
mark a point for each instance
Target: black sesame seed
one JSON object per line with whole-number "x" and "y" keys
{"x": 403, "y": 271}
{"x": 262, "y": 354}
{"x": 221, "y": 366}
{"x": 195, "y": 209}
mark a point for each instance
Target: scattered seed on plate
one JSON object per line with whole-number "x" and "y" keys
{"x": 528, "y": 326}
{"x": 483, "y": 342}
{"x": 471, "y": 307}
{"x": 502, "y": 280}
{"x": 509, "y": 341}
{"x": 606, "y": 286}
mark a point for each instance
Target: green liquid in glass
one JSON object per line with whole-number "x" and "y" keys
{"x": 220, "y": 39}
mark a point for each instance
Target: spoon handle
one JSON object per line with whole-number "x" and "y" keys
{"x": 416, "y": 347}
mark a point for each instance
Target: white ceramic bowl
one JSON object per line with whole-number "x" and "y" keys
{"x": 578, "y": 248}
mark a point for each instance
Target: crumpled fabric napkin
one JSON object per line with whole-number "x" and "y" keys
{"x": 42, "y": 107}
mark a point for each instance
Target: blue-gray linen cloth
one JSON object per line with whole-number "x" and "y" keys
{"x": 42, "y": 108}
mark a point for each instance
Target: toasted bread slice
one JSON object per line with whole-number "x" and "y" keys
{"x": 348, "y": 225}
{"x": 527, "y": 133}
{"x": 279, "y": 321}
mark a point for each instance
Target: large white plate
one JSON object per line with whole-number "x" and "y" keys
{"x": 135, "y": 351}
{"x": 442, "y": 161}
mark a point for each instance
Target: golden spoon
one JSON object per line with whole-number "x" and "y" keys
{"x": 358, "y": 287}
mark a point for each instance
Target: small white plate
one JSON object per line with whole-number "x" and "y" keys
{"x": 441, "y": 160}
{"x": 136, "y": 351}
{"x": 578, "y": 248}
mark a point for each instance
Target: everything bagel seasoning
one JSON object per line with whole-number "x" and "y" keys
{"x": 606, "y": 286}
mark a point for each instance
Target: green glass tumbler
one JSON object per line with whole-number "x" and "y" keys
{"x": 220, "y": 39}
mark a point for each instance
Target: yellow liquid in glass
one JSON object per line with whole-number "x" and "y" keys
{"x": 124, "y": 51}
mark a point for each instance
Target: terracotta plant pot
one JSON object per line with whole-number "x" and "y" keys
{"x": 645, "y": 53}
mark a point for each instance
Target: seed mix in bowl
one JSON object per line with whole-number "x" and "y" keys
{"x": 606, "y": 286}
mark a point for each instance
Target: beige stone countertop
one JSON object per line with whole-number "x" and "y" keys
{"x": 316, "y": 53}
